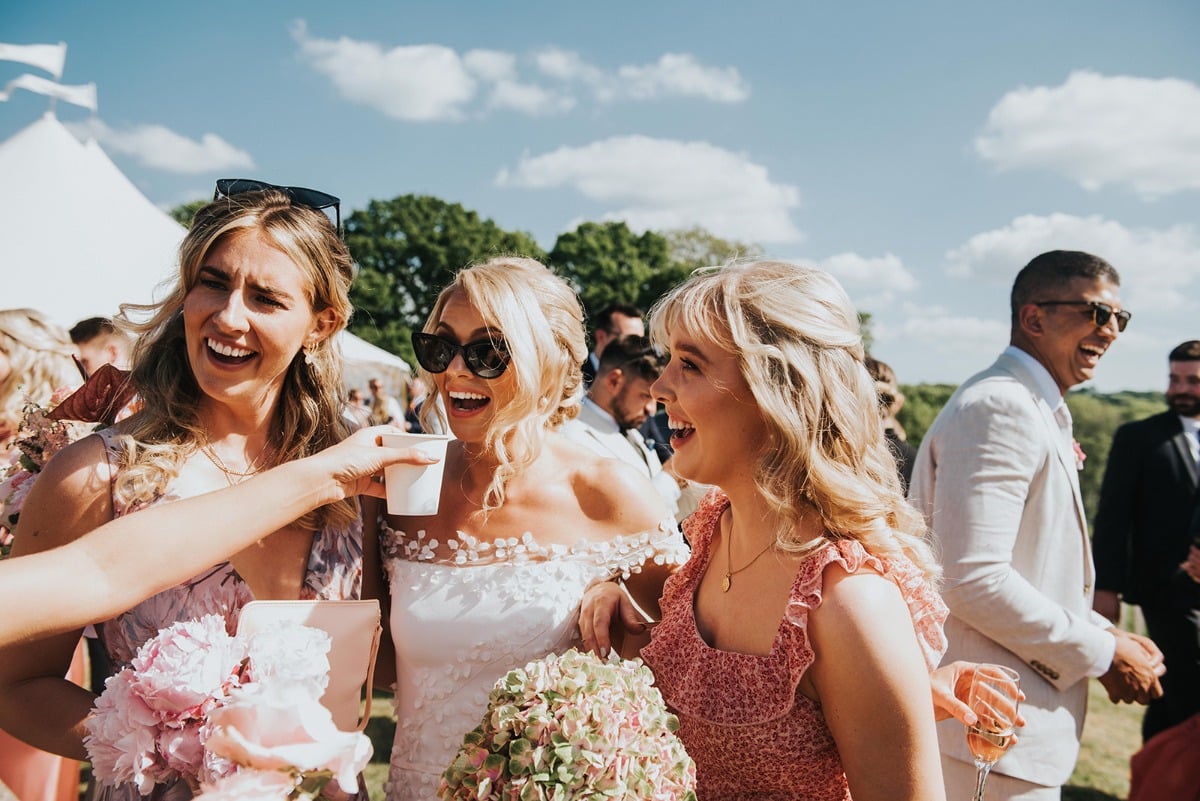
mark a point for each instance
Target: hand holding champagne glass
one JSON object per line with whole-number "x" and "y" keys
{"x": 994, "y": 697}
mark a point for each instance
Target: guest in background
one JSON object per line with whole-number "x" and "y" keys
{"x": 1142, "y": 535}
{"x": 100, "y": 342}
{"x": 385, "y": 410}
{"x": 617, "y": 320}
{"x": 998, "y": 482}
{"x": 890, "y": 401}
{"x": 614, "y": 320}
{"x": 357, "y": 413}
{"x": 617, "y": 403}
{"x": 36, "y": 362}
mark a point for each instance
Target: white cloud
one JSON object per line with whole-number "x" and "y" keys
{"x": 673, "y": 75}
{"x": 432, "y": 82}
{"x": 1099, "y": 130}
{"x": 1156, "y": 265}
{"x": 661, "y": 184}
{"x": 884, "y": 274}
{"x": 949, "y": 332}
{"x": 567, "y": 65}
{"x": 491, "y": 65}
{"x": 508, "y": 92}
{"x": 163, "y": 149}
{"x": 419, "y": 83}
{"x": 680, "y": 74}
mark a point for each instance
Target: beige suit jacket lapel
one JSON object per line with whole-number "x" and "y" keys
{"x": 1065, "y": 451}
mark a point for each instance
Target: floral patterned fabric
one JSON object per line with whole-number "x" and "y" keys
{"x": 752, "y": 733}
{"x": 460, "y": 625}
{"x": 334, "y": 572}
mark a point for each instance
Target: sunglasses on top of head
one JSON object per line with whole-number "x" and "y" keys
{"x": 301, "y": 196}
{"x": 485, "y": 358}
{"x": 1100, "y": 313}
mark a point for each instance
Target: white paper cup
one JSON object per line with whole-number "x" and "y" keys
{"x": 413, "y": 489}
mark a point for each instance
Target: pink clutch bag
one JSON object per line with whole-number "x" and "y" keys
{"x": 354, "y": 628}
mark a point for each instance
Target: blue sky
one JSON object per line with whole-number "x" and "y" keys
{"x": 922, "y": 152}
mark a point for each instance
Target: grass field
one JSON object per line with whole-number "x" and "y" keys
{"x": 1110, "y": 736}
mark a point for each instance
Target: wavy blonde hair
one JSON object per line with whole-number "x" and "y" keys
{"x": 541, "y": 320}
{"x": 39, "y": 353}
{"x": 800, "y": 351}
{"x": 308, "y": 416}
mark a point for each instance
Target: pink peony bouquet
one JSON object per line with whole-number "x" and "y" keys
{"x": 199, "y": 705}
{"x": 573, "y": 726}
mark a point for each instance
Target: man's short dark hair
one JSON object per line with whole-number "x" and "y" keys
{"x": 87, "y": 330}
{"x": 632, "y": 355}
{"x": 604, "y": 317}
{"x": 1184, "y": 352}
{"x": 1050, "y": 272}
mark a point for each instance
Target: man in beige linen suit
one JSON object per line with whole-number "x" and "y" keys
{"x": 997, "y": 479}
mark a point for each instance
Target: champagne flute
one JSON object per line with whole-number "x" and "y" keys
{"x": 994, "y": 695}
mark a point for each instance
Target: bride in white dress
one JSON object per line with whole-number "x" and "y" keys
{"x": 527, "y": 519}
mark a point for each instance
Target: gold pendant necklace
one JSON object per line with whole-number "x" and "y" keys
{"x": 208, "y": 451}
{"x": 727, "y": 582}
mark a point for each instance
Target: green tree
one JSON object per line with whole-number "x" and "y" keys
{"x": 1095, "y": 418}
{"x": 922, "y": 402}
{"x": 692, "y": 248}
{"x": 608, "y": 263}
{"x": 864, "y": 326}
{"x": 688, "y": 250}
{"x": 407, "y": 250}
{"x": 184, "y": 212}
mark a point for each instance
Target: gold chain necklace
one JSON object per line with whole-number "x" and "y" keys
{"x": 727, "y": 582}
{"x": 208, "y": 451}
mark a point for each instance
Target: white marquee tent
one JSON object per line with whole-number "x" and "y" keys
{"x": 77, "y": 239}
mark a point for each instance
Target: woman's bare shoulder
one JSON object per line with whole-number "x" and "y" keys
{"x": 610, "y": 491}
{"x": 69, "y": 497}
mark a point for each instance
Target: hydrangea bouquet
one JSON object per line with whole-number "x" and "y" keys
{"x": 573, "y": 727}
{"x": 225, "y": 713}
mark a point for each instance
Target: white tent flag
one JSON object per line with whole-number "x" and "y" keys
{"x": 81, "y": 95}
{"x": 50, "y": 58}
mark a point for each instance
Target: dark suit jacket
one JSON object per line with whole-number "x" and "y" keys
{"x": 1146, "y": 502}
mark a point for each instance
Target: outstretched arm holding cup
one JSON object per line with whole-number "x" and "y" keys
{"x": 123, "y": 561}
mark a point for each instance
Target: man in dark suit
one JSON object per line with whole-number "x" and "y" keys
{"x": 1141, "y": 534}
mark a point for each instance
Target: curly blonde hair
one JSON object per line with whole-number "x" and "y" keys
{"x": 800, "y": 351}
{"x": 541, "y": 321}
{"x": 39, "y": 352}
{"x": 308, "y": 417}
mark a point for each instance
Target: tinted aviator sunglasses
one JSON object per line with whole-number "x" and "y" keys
{"x": 308, "y": 198}
{"x": 484, "y": 358}
{"x": 1101, "y": 312}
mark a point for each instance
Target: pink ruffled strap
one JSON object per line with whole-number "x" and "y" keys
{"x": 925, "y": 606}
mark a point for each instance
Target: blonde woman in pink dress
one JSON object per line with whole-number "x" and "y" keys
{"x": 237, "y": 370}
{"x": 797, "y": 642}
